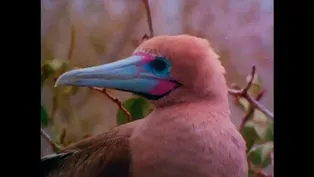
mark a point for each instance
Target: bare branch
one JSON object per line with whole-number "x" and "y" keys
{"x": 145, "y": 37}
{"x": 260, "y": 107}
{"x": 115, "y": 100}
{"x": 54, "y": 104}
{"x": 72, "y": 40}
{"x": 54, "y": 146}
{"x": 261, "y": 173}
{"x": 149, "y": 18}
{"x": 272, "y": 159}
{"x": 247, "y": 87}
{"x": 244, "y": 93}
{"x": 250, "y": 111}
{"x": 62, "y": 136}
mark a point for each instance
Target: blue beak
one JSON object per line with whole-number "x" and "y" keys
{"x": 130, "y": 74}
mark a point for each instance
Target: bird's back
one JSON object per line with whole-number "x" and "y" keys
{"x": 106, "y": 154}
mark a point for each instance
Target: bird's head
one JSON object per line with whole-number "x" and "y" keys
{"x": 163, "y": 69}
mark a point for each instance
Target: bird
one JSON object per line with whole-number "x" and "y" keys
{"x": 189, "y": 133}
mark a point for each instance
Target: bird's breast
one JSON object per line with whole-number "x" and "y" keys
{"x": 177, "y": 150}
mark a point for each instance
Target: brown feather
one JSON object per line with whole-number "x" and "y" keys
{"x": 106, "y": 154}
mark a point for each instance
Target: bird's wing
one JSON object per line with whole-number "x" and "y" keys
{"x": 107, "y": 154}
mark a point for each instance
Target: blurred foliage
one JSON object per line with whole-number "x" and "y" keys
{"x": 43, "y": 116}
{"x": 258, "y": 131}
{"x": 51, "y": 69}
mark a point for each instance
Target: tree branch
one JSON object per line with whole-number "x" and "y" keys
{"x": 115, "y": 100}
{"x": 244, "y": 93}
{"x": 72, "y": 42}
{"x": 54, "y": 146}
{"x": 149, "y": 18}
{"x": 272, "y": 159}
{"x": 62, "y": 136}
{"x": 261, "y": 173}
{"x": 250, "y": 111}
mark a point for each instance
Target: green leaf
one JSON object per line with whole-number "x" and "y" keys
{"x": 136, "y": 107}
{"x": 50, "y": 67}
{"x": 264, "y": 127}
{"x": 258, "y": 130}
{"x": 43, "y": 117}
{"x": 259, "y": 120}
{"x": 45, "y": 73}
{"x": 267, "y": 134}
{"x": 249, "y": 134}
{"x": 260, "y": 155}
{"x": 57, "y": 64}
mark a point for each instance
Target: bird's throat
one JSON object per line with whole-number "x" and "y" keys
{"x": 153, "y": 97}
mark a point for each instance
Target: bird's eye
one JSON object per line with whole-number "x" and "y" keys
{"x": 160, "y": 65}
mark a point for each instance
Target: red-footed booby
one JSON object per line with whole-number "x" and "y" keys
{"x": 189, "y": 134}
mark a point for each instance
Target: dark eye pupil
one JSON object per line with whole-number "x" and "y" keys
{"x": 159, "y": 64}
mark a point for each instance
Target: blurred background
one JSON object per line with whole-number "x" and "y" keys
{"x": 81, "y": 33}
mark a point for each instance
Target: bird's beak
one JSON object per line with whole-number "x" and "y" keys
{"x": 129, "y": 74}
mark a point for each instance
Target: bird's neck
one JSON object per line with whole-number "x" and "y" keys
{"x": 214, "y": 94}
{"x": 202, "y": 109}
{"x": 210, "y": 101}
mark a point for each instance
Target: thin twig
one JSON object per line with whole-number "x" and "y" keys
{"x": 54, "y": 105}
{"x": 244, "y": 93}
{"x": 272, "y": 159}
{"x": 54, "y": 146}
{"x": 261, "y": 173}
{"x": 145, "y": 37}
{"x": 260, "y": 107}
{"x": 149, "y": 18}
{"x": 72, "y": 41}
{"x": 115, "y": 100}
{"x": 250, "y": 111}
{"x": 62, "y": 136}
{"x": 253, "y": 72}
{"x": 149, "y": 22}
{"x": 137, "y": 42}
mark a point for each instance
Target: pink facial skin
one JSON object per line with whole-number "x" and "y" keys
{"x": 163, "y": 86}
{"x": 146, "y": 57}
